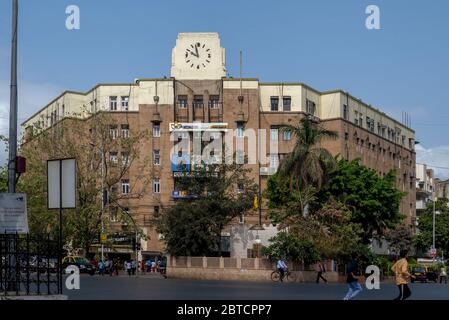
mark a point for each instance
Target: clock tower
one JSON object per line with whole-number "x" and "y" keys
{"x": 198, "y": 56}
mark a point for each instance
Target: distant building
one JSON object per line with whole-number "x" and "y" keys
{"x": 442, "y": 188}
{"x": 425, "y": 187}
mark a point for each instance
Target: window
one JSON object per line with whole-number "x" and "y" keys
{"x": 274, "y": 160}
{"x": 113, "y": 215}
{"x": 113, "y": 132}
{"x": 287, "y": 103}
{"x": 240, "y": 130}
{"x": 198, "y": 101}
{"x": 113, "y": 103}
{"x": 156, "y": 130}
{"x": 360, "y": 119}
{"x": 156, "y": 157}
{"x": 182, "y": 102}
{"x": 113, "y": 194}
{"x": 156, "y": 186}
{"x": 113, "y": 157}
{"x": 356, "y": 118}
{"x": 125, "y": 131}
{"x": 240, "y": 156}
{"x": 214, "y": 101}
{"x": 310, "y": 107}
{"x": 345, "y": 112}
{"x": 242, "y": 218}
{"x": 125, "y": 186}
{"x": 240, "y": 188}
{"x": 274, "y": 134}
{"x": 125, "y": 103}
{"x": 156, "y": 211}
{"x": 274, "y": 103}
{"x": 125, "y": 158}
{"x": 287, "y": 135}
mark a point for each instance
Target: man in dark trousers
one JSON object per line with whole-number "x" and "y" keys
{"x": 320, "y": 269}
{"x": 400, "y": 269}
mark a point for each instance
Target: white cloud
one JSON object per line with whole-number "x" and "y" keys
{"x": 434, "y": 157}
{"x": 32, "y": 97}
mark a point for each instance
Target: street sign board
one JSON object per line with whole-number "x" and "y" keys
{"x": 61, "y": 178}
{"x": 13, "y": 213}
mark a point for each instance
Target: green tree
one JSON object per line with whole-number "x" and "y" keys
{"x": 400, "y": 238}
{"x": 373, "y": 200}
{"x": 423, "y": 240}
{"x": 193, "y": 227}
{"x": 308, "y": 164}
{"x": 90, "y": 142}
{"x": 287, "y": 246}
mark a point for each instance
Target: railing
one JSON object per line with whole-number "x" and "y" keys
{"x": 29, "y": 265}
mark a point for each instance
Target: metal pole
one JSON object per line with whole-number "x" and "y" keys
{"x": 13, "y": 103}
{"x": 13, "y": 131}
{"x": 60, "y": 227}
{"x": 102, "y": 203}
{"x": 433, "y": 229}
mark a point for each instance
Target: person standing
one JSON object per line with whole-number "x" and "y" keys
{"x": 320, "y": 269}
{"x": 101, "y": 267}
{"x": 128, "y": 267}
{"x": 354, "y": 287}
{"x": 133, "y": 267}
{"x": 282, "y": 267}
{"x": 443, "y": 275}
{"x": 400, "y": 269}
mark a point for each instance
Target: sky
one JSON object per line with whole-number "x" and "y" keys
{"x": 404, "y": 66}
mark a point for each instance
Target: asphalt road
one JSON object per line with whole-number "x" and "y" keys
{"x": 156, "y": 288}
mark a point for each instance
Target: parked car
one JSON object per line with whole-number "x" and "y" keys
{"x": 82, "y": 263}
{"x": 424, "y": 274}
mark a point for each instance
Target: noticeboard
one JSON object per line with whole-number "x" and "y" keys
{"x": 13, "y": 213}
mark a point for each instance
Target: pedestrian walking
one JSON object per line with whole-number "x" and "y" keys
{"x": 101, "y": 267}
{"x": 148, "y": 265}
{"x": 153, "y": 266}
{"x": 128, "y": 267}
{"x": 133, "y": 267}
{"x": 443, "y": 275}
{"x": 320, "y": 269}
{"x": 354, "y": 287}
{"x": 400, "y": 269}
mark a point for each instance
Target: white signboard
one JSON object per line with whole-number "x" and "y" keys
{"x": 61, "y": 179}
{"x": 198, "y": 126}
{"x": 13, "y": 213}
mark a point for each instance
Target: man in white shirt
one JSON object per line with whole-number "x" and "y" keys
{"x": 281, "y": 266}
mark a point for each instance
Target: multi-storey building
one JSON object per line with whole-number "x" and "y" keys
{"x": 442, "y": 188}
{"x": 200, "y": 96}
{"x": 425, "y": 187}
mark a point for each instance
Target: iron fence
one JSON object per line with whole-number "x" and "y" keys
{"x": 29, "y": 265}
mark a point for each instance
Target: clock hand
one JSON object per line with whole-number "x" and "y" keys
{"x": 196, "y": 50}
{"x": 193, "y": 54}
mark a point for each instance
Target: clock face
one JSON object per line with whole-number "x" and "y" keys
{"x": 198, "y": 56}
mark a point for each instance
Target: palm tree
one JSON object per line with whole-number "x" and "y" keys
{"x": 308, "y": 165}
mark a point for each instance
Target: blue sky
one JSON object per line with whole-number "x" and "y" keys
{"x": 402, "y": 67}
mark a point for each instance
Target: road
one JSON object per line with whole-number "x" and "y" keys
{"x": 155, "y": 288}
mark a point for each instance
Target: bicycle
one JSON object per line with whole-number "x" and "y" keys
{"x": 288, "y": 276}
